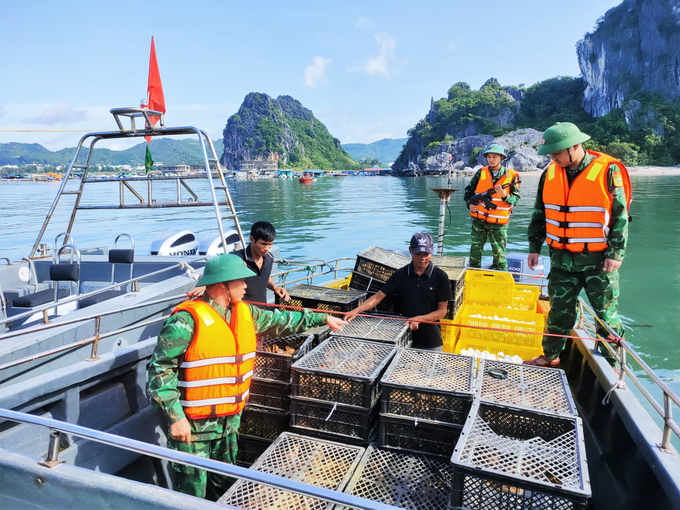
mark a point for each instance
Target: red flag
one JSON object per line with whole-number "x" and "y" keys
{"x": 156, "y": 100}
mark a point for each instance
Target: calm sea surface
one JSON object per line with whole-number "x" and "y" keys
{"x": 339, "y": 217}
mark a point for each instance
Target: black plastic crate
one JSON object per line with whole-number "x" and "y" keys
{"x": 418, "y": 436}
{"x": 314, "y": 461}
{"x": 250, "y": 449}
{"x": 343, "y": 370}
{"x": 388, "y": 306}
{"x": 338, "y": 420}
{"x": 544, "y": 389}
{"x": 437, "y": 387}
{"x": 456, "y": 279}
{"x": 320, "y": 334}
{"x": 323, "y": 298}
{"x": 509, "y": 457}
{"x": 378, "y": 329}
{"x": 402, "y": 479}
{"x": 270, "y": 364}
{"x": 449, "y": 261}
{"x": 263, "y": 423}
{"x": 379, "y": 263}
{"x": 364, "y": 282}
{"x": 269, "y": 394}
{"x": 453, "y": 306}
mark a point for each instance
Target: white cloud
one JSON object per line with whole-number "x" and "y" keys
{"x": 453, "y": 45}
{"x": 59, "y": 114}
{"x": 363, "y": 23}
{"x": 384, "y": 62}
{"x": 315, "y": 72}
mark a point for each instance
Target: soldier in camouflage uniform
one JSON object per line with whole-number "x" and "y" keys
{"x": 214, "y": 438}
{"x": 484, "y": 229}
{"x": 570, "y": 272}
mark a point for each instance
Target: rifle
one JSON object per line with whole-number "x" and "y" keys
{"x": 485, "y": 196}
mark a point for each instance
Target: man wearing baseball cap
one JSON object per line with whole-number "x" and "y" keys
{"x": 422, "y": 292}
{"x": 200, "y": 371}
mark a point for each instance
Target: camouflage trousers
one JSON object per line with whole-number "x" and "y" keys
{"x": 564, "y": 288}
{"x": 498, "y": 238}
{"x": 199, "y": 482}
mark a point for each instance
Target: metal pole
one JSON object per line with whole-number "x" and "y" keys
{"x": 440, "y": 240}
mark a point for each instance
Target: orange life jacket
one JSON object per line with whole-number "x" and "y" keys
{"x": 500, "y": 215}
{"x": 214, "y": 377}
{"x": 578, "y": 217}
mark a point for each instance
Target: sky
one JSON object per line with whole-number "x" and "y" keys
{"x": 367, "y": 69}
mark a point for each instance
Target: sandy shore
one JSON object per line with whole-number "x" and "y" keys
{"x": 635, "y": 170}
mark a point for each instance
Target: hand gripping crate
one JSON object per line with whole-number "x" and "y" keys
{"x": 313, "y": 461}
{"x": 378, "y": 329}
{"x": 517, "y": 327}
{"x": 250, "y": 449}
{"x": 332, "y": 420}
{"x": 509, "y": 457}
{"x": 269, "y": 395}
{"x": 263, "y": 423}
{"x": 401, "y": 479}
{"x": 323, "y": 298}
{"x": 432, "y": 387}
{"x": 343, "y": 370}
{"x": 544, "y": 389}
{"x": 272, "y": 364}
{"x": 379, "y": 263}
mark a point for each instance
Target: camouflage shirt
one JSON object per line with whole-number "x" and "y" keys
{"x": 511, "y": 199}
{"x": 618, "y": 233}
{"x": 173, "y": 342}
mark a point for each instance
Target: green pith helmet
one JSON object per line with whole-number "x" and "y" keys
{"x": 561, "y": 136}
{"x": 495, "y": 148}
{"x": 224, "y": 268}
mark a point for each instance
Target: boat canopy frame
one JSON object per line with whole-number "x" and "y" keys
{"x": 210, "y": 161}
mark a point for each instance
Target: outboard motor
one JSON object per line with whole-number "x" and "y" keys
{"x": 175, "y": 244}
{"x": 211, "y": 245}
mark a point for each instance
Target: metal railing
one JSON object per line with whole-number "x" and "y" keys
{"x": 307, "y": 265}
{"x": 621, "y": 355}
{"x": 187, "y": 459}
{"x": 53, "y": 304}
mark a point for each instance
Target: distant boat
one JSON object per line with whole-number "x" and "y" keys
{"x": 306, "y": 179}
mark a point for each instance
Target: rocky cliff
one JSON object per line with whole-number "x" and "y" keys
{"x": 635, "y": 46}
{"x": 267, "y": 132}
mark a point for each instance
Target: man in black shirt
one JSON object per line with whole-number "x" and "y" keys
{"x": 422, "y": 290}
{"x": 257, "y": 257}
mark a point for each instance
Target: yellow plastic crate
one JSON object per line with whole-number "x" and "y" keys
{"x": 524, "y": 352}
{"x": 526, "y": 292}
{"x": 465, "y": 318}
{"x": 543, "y": 306}
{"x": 340, "y": 283}
{"x": 489, "y": 287}
{"x": 450, "y": 332}
{"x": 522, "y": 305}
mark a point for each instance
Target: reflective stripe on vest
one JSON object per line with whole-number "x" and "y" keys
{"x": 578, "y": 217}
{"x": 214, "y": 377}
{"x": 500, "y": 215}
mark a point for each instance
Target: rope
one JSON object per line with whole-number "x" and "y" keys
{"x": 610, "y": 339}
{"x": 619, "y": 384}
{"x": 190, "y": 271}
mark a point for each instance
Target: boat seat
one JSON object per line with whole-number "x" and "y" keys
{"x": 38, "y": 298}
{"x": 58, "y": 273}
{"x": 102, "y": 296}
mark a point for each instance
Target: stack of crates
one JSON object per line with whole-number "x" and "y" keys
{"x": 509, "y": 311}
{"x": 373, "y": 268}
{"x": 426, "y": 397}
{"x": 378, "y": 329}
{"x": 457, "y": 281}
{"x": 322, "y": 298}
{"x": 336, "y": 390}
{"x": 303, "y": 459}
{"x": 522, "y": 445}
